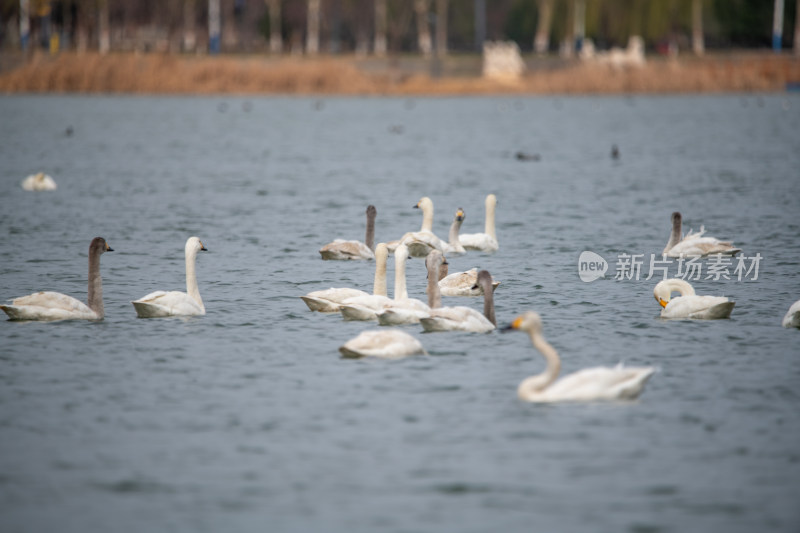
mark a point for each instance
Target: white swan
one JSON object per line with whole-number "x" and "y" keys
{"x": 57, "y": 306}
{"x": 589, "y": 384}
{"x": 792, "y": 318}
{"x": 39, "y": 182}
{"x": 458, "y": 318}
{"x": 453, "y": 246}
{"x": 330, "y": 300}
{"x": 462, "y": 284}
{"x": 486, "y": 241}
{"x": 385, "y": 343}
{"x": 343, "y": 250}
{"x": 175, "y": 303}
{"x": 688, "y": 304}
{"x": 421, "y": 242}
{"x": 401, "y": 309}
{"x": 694, "y": 244}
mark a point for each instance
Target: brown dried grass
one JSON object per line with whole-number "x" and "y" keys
{"x": 173, "y": 74}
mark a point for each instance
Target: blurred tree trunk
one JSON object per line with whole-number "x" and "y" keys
{"x": 380, "y": 28}
{"x": 541, "y": 42}
{"x": 423, "y": 30}
{"x": 104, "y": 32}
{"x": 441, "y": 27}
{"x": 312, "y": 24}
{"x": 698, "y": 42}
{"x": 189, "y": 20}
{"x": 275, "y": 36}
{"x": 797, "y": 29}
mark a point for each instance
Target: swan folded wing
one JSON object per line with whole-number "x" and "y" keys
{"x": 387, "y": 343}
{"x": 398, "y": 316}
{"x": 363, "y": 307}
{"x": 456, "y": 318}
{"x": 696, "y": 246}
{"x": 329, "y": 300}
{"x": 482, "y": 242}
{"x": 48, "y": 306}
{"x": 342, "y": 250}
{"x": 172, "y": 303}
{"x": 705, "y": 307}
{"x": 601, "y": 383}
{"x": 421, "y": 243}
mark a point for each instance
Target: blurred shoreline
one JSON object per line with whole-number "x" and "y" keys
{"x": 169, "y": 74}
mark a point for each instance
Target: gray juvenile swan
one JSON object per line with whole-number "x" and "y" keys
{"x": 160, "y": 304}
{"x": 342, "y": 250}
{"x": 694, "y": 244}
{"x": 457, "y": 318}
{"x": 587, "y": 385}
{"x": 57, "y": 306}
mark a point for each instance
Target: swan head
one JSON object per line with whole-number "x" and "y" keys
{"x": 424, "y": 203}
{"x": 433, "y": 262}
{"x": 194, "y": 245}
{"x": 491, "y": 200}
{"x": 401, "y": 252}
{"x": 484, "y": 280}
{"x": 381, "y": 252}
{"x": 460, "y": 215}
{"x": 371, "y": 211}
{"x": 662, "y": 292}
{"x": 529, "y": 321}
{"x": 99, "y": 246}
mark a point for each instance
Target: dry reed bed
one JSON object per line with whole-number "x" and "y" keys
{"x": 171, "y": 74}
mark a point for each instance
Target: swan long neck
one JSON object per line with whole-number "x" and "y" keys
{"x": 679, "y": 285}
{"x": 191, "y": 277}
{"x": 95, "y": 297}
{"x": 455, "y": 228}
{"x": 489, "y": 228}
{"x": 427, "y": 217}
{"x": 551, "y": 356}
{"x": 675, "y": 234}
{"x": 434, "y": 293}
{"x": 379, "y": 286}
{"x": 488, "y": 300}
{"x": 400, "y": 292}
{"x": 369, "y": 238}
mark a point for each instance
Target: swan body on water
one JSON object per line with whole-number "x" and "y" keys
{"x": 343, "y": 250}
{"x": 330, "y": 300}
{"x": 39, "y": 182}
{"x": 462, "y": 284}
{"x": 161, "y": 304}
{"x": 57, "y": 306}
{"x": 695, "y": 244}
{"x": 421, "y": 242}
{"x": 792, "y": 318}
{"x": 587, "y": 385}
{"x": 401, "y": 309}
{"x": 688, "y": 304}
{"x": 386, "y": 343}
{"x": 486, "y": 241}
{"x": 458, "y": 318}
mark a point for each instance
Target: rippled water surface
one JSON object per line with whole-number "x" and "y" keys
{"x": 247, "y": 419}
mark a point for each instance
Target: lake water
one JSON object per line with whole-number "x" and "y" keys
{"x": 247, "y": 419}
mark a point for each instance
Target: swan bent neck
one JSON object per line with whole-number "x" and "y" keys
{"x": 664, "y": 289}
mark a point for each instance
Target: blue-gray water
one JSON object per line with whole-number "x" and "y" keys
{"x": 247, "y": 419}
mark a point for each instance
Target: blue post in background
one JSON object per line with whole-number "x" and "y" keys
{"x": 214, "y": 26}
{"x": 777, "y": 27}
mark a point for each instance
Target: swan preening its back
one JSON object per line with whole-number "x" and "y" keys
{"x": 688, "y": 304}
{"x": 343, "y": 250}
{"x": 587, "y": 385}
{"x": 175, "y": 303}
{"x": 694, "y": 244}
{"x": 57, "y": 306}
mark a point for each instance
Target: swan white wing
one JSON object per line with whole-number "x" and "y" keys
{"x": 792, "y": 318}
{"x": 456, "y": 318}
{"x": 705, "y": 307}
{"x": 385, "y": 343}
{"x": 329, "y": 300}
{"x": 48, "y": 306}
{"x": 421, "y": 243}
{"x": 162, "y": 304}
{"x": 482, "y": 242}
{"x": 600, "y": 383}
{"x": 36, "y": 182}
{"x": 403, "y": 311}
{"x": 343, "y": 250}
{"x": 695, "y": 246}
{"x": 364, "y": 307}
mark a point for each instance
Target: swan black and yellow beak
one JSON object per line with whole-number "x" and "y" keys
{"x": 416, "y": 206}
{"x": 662, "y": 303}
{"x": 514, "y": 325}
{"x": 203, "y": 247}
{"x": 108, "y": 248}
{"x": 459, "y": 214}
